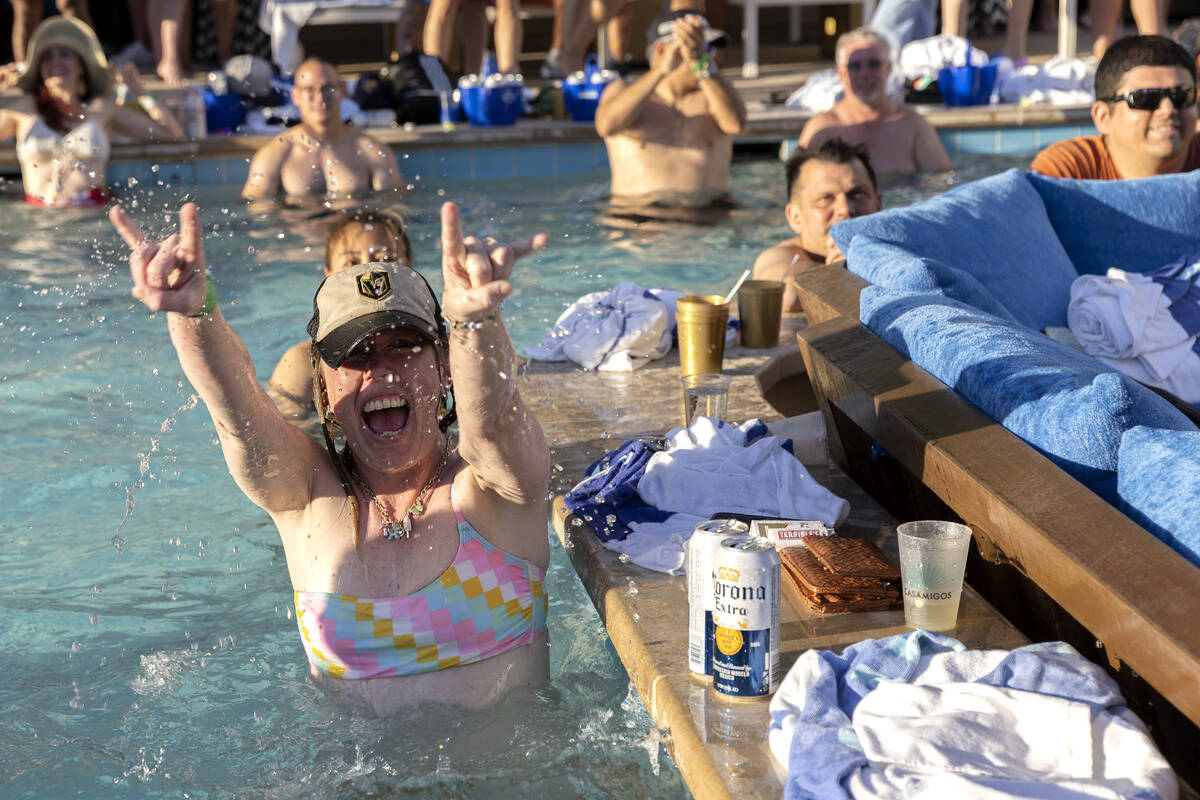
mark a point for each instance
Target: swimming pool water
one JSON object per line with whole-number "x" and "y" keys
{"x": 149, "y": 648}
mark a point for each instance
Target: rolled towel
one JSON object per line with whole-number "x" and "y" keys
{"x": 1118, "y": 315}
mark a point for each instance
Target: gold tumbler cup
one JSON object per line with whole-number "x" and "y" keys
{"x": 760, "y": 308}
{"x": 701, "y": 321}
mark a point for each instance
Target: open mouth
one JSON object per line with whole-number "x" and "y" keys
{"x": 386, "y": 416}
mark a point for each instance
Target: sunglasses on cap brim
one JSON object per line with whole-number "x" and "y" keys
{"x": 1150, "y": 99}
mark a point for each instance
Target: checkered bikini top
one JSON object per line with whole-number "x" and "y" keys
{"x": 487, "y": 602}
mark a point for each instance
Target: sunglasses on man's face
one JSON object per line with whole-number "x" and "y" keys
{"x": 872, "y": 64}
{"x": 1150, "y": 99}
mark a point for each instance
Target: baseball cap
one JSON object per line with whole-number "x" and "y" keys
{"x": 663, "y": 27}
{"x": 353, "y": 304}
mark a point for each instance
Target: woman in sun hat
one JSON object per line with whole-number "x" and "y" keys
{"x": 418, "y": 562}
{"x": 63, "y": 122}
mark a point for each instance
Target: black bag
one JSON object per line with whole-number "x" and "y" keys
{"x": 415, "y": 80}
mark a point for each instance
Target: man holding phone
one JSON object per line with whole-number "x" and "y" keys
{"x": 669, "y": 133}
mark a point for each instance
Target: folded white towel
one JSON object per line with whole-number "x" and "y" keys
{"x": 709, "y": 468}
{"x": 918, "y": 716}
{"x": 926, "y": 56}
{"x": 612, "y": 331}
{"x": 1059, "y": 81}
{"x": 992, "y": 741}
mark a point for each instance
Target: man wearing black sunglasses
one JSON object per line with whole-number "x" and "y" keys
{"x": 1145, "y": 113}
{"x": 899, "y": 139}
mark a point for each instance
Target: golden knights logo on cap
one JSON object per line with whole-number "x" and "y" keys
{"x": 375, "y": 285}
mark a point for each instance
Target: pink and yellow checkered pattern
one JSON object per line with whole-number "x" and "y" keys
{"x": 487, "y": 602}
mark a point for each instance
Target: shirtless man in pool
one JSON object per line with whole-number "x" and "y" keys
{"x": 826, "y": 184}
{"x": 322, "y": 156}
{"x": 670, "y": 133}
{"x": 899, "y": 139}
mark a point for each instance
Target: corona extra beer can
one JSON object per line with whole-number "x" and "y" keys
{"x": 701, "y": 555}
{"x": 745, "y": 648}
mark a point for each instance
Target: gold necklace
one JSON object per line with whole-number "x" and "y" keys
{"x": 391, "y": 529}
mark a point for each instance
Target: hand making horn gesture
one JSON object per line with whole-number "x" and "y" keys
{"x": 475, "y": 272}
{"x": 167, "y": 275}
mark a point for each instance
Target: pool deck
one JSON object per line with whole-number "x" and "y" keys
{"x": 720, "y": 747}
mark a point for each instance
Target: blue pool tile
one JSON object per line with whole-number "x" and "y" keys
{"x": 173, "y": 173}
{"x": 120, "y": 172}
{"x": 538, "y": 160}
{"x": 210, "y": 171}
{"x": 1017, "y": 140}
{"x": 237, "y": 170}
{"x": 977, "y": 141}
{"x": 456, "y": 164}
{"x": 415, "y": 165}
{"x": 494, "y": 162}
{"x": 1050, "y": 134}
{"x": 949, "y": 138}
{"x": 580, "y": 157}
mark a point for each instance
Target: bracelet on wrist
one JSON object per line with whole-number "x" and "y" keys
{"x": 473, "y": 324}
{"x": 210, "y": 301}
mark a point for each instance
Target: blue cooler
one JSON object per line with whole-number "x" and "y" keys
{"x": 223, "y": 112}
{"x": 581, "y": 91}
{"x": 967, "y": 85}
{"x": 495, "y": 100}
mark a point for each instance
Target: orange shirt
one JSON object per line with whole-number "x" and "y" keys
{"x": 1088, "y": 157}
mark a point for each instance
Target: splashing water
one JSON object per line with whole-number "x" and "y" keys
{"x": 144, "y": 467}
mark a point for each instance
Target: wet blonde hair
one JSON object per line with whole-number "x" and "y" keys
{"x": 361, "y": 218}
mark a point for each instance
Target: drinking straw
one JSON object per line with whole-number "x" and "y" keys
{"x": 737, "y": 286}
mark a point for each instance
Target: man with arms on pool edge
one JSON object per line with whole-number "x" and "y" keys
{"x": 670, "y": 133}
{"x": 1145, "y": 112}
{"x": 322, "y": 156}
{"x": 827, "y": 183}
{"x": 899, "y": 139}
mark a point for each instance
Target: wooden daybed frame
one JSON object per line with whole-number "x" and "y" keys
{"x": 1053, "y": 557}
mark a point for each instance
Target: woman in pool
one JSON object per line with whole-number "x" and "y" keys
{"x": 63, "y": 122}
{"x": 418, "y": 568}
{"x": 359, "y": 237}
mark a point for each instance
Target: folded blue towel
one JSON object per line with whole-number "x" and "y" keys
{"x": 1067, "y": 405}
{"x": 1158, "y": 479}
{"x": 894, "y": 267}
{"x": 995, "y": 229}
{"x": 1134, "y": 225}
{"x": 607, "y": 497}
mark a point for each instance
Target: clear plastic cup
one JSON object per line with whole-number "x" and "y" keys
{"x": 933, "y": 561}
{"x": 705, "y": 395}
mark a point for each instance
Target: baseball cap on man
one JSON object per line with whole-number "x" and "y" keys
{"x": 353, "y": 304}
{"x": 663, "y": 27}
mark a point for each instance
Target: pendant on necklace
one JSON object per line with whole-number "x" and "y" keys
{"x": 397, "y": 530}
